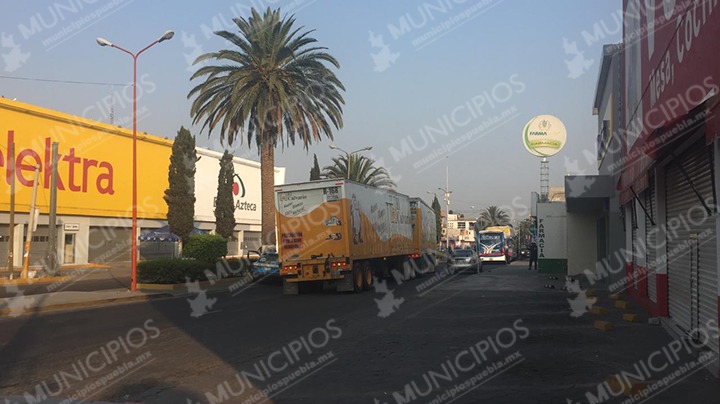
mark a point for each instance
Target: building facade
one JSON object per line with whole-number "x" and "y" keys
{"x": 94, "y": 198}
{"x": 593, "y": 206}
{"x": 669, "y": 175}
{"x": 461, "y": 231}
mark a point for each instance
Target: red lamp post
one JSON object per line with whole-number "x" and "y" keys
{"x": 104, "y": 42}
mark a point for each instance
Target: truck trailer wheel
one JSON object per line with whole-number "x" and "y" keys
{"x": 367, "y": 276}
{"x": 357, "y": 275}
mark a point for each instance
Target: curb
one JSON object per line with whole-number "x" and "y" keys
{"x": 622, "y": 304}
{"x": 68, "y": 267}
{"x": 160, "y": 286}
{"x": 90, "y": 303}
{"x": 49, "y": 279}
{"x": 598, "y": 310}
{"x": 78, "y": 266}
{"x": 183, "y": 287}
{"x": 630, "y": 318}
{"x": 603, "y": 325}
{"x": 31, "y": 281}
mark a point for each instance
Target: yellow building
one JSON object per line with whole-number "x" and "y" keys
{"x": 94, "y": 198}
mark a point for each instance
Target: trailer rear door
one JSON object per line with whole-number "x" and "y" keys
{"x": 312, "y": 223}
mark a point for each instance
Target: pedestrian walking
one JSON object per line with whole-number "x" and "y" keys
{"x": 533, "y": 255}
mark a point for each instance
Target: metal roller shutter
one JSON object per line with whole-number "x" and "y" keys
{"x": 650, "y": 240}
{"x": 706, "y": 229}
{"x": 233, "y": 244}
{"x": 679, "y": 198}
{"x": 39, "y": 246}
{"x": 691, "y": 249}
{"x": 633, "y": 235}
{"x": 4, "y": 246}
{"x": 109, "y": 244}
{"x": 251, "y": 240}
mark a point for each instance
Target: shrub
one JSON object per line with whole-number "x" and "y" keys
{"x": 169, "y": 271}
{"x": 237, "y": 265}
{"x": 180, "y": 270}
{"x": 207, "y": 248}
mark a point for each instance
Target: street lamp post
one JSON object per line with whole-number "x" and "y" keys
{"x": 332, "y": 146}
{"x": 447, "y": 192}
{"x": 440, "y": 213}
{"x": 104, "y": 42}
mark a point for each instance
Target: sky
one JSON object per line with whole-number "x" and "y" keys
{"x": 441, "y": 89}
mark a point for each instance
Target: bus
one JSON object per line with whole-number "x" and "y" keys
{"x": 492, "y": 246}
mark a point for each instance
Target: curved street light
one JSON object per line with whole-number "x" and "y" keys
{"x": 367, "y": 148}
{"x": 104, "y": 42}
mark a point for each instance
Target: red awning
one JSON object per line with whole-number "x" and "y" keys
{"x": 653, "y": 145}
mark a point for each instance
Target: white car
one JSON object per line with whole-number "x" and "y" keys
{"x": 464, "y": 259}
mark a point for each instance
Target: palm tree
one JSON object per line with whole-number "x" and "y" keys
{"x": 493, "y": 216}
{"x": 523, "y": 228}
{"x": 275, "y": 86}
{"x": 362, "y": 170}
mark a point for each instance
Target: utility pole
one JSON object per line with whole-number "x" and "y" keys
{"x": 52, "y": 225}
{"x": 11, "y": 232}
{"x": 31, "y": 226}
{"x": 447, "y": 208}
{"x": 447, "y": 218}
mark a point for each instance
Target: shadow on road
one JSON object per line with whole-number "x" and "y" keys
{"x": 260, "y": 346}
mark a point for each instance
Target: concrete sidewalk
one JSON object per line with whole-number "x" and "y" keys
{"x": 37, "y": 274}
{"x": 20, "y": 399}
{"x": 20, "y": 304}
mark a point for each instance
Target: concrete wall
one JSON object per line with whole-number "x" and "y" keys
{"x": 552, "y": 237}
{"x": 581, "y": 243}
{"x": 614, "y": 262}
{"x": 610, "y": 110}
{"x": 611, "y": 266}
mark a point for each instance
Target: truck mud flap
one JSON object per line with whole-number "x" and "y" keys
{"x": 290, "y": 288}
{"x": 345, "y": 284}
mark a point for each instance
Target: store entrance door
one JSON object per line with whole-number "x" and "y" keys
{"x": 69, "y": 248}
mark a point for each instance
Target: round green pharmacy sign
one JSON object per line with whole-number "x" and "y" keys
{"x": 544, "y": 135}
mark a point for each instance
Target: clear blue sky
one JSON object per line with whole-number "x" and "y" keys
{"x": 420, "y": 77}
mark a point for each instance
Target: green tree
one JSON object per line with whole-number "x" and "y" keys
{"x": 361, "y": 169}
{"x": 224, "y": 206}
{"x": 275, "y": 86}
{"x": 315, "y": 170}
{"x": 438, "y": 218}
{"x": 180, "y": 195}
{"x": 492, "y": 216}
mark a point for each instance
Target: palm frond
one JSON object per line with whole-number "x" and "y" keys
{"x": 275, "y": 85}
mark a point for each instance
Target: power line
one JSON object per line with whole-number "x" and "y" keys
{"x": 93, "y": 83}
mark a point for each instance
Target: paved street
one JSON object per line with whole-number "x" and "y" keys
{"x": 430, "y": 340}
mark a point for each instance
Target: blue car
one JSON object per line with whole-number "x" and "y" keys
{"x": 266, "y": 265}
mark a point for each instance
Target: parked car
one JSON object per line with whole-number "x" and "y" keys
{"x": 465, "y": 259}
{"x": 511, "y": 255}
{"x": 267, "y": 265}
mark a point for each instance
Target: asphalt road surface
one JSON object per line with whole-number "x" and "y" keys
{"x": 494, "y": 337}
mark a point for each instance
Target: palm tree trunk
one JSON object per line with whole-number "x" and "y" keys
{"x": 267, "y": 186}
